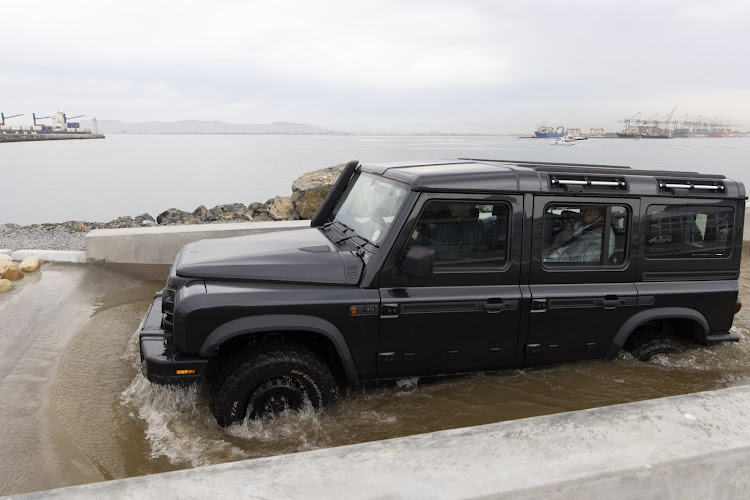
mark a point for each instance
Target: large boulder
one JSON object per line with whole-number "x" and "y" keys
{"x": 30, "y": 264}
{"x": 173, "y": 216}
{"x": 281, "y": 208}
{"x": 5, "y": 286}
{"x": 12, "y": 273}
{"x": 309, "y": 191}
{"x": 144, "y": 220}
{"x": 5, "y": 259}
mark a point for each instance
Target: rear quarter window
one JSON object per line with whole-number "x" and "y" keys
{"x": 689, "y": 231}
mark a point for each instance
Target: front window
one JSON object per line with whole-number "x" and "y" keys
{"x": 369, "y": 205}
{"x": 464, "y": 234}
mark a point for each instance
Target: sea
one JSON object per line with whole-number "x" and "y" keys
{"x": 128, "y": 174}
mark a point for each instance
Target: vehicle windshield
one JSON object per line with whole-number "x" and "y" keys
{"x": 369, "y": 205}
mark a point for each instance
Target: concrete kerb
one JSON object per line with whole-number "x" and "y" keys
{"x": 684, "y": 446}
{"x": 69, "y": 256}
{"x": 160, "y": 244}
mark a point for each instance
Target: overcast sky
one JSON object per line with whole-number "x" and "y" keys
{"x": 385, "y": 66}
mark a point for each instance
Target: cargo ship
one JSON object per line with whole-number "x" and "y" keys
{"x": 545, "y": 132}
{"x": 61, "y": 128}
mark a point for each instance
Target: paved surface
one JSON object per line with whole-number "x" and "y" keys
{"x": 693, "y": 446}
{"x": 37, "y": 321}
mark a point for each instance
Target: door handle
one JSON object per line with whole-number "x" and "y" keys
{"x": 609, "y": 303}
{"x": 497, "y": 305}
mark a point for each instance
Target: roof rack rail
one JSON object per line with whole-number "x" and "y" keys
{"x": 542, "y": 163}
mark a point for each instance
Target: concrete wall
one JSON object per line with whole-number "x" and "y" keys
{"x": 692, "y": 446}
{"x": 160, "y": 244}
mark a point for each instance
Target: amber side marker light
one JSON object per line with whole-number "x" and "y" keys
{"x": 185, "y": 372}
{"x": 352, "y": 310}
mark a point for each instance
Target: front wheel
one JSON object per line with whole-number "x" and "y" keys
{"x": 269, "y": 379}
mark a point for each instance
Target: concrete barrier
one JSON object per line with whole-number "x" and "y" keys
{"x": 160, "y": 244}
{"x": 692, "y": 446}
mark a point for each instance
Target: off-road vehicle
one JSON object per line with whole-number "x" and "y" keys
{"x": 451, "y": 267}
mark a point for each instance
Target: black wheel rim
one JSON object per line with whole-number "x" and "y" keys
{"x": 276, "y": 395}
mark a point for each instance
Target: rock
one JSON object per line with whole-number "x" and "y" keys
{"x": 12, "y": 273}
{"x": 121, "y": 222}
{"x": 144, "y": 220}
{"x": 281, "y": 208}
{"x": 172, "y": 216}
{"x": 30, "y": 264}
{"x": 5, "y": 258}
{"x": 309, "y": 191}
{"x": 9, "y": 226}
{"x": 5, "y": 286}
{"x": 201, "y": 212}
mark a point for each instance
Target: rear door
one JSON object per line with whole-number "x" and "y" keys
{"x": 466, "y": 317}
{"x": 581, "y": 280}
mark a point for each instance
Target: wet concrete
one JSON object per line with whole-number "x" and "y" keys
{"x": 76, "y": 408}
{"x": 39, "y": 317}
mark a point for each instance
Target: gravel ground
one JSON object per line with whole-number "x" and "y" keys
{"x": 55, "y": 238}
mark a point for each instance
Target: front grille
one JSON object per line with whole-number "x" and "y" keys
{"x": 167, "y": 307}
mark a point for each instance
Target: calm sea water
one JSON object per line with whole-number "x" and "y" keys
{"x": 100, "y": 180}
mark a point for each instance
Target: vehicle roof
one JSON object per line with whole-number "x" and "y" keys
{"x": 480, "y": 175}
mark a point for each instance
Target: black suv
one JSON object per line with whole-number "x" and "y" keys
{"x": 443, "y": 268}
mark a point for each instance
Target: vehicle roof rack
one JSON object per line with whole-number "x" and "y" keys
{"x": 599, "y": 169}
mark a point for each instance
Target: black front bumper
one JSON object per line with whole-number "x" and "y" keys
{"x": 159, "y": 361}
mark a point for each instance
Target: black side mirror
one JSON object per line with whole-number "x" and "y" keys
{"x": 419, "y": 262}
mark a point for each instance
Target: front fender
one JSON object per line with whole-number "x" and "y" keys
{"x": 280, "y": 323}
{"x": 652, "y": 314}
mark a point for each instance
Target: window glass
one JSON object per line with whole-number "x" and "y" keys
{"x": 463, "y": 233}
{"x": 689, "y": 231}
{"x": 576, "y": 234}
{"x": 369, "y": 205}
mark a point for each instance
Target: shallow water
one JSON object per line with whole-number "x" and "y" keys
{"x": 82, "y": 411}
{"x": 140, "y": 428}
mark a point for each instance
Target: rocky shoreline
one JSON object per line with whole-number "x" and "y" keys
{"x": 308, "y": 193}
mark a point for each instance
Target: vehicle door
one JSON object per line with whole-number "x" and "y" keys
{"x": 465, "y": 317}
{"x": 581, "y": 279}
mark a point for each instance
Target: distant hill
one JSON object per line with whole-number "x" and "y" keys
{"x": 204, "y": 127}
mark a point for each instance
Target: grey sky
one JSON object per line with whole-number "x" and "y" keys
{"x": 389, "y": 66}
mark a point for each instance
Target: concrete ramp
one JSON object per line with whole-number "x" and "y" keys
{"x": 160, "y": 244}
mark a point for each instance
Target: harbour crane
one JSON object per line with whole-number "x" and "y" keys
{"x": 3, "y": 117}
{"x": 33, "y": 115}
{"x": 669, "y": 118}
{"x": 65, "y": 117}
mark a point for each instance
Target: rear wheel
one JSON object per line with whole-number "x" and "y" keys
{"x": 646, "y": 344}
{"x": 268, "y": 379}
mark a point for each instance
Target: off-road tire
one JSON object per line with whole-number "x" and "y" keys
{"x": 268, "y": 378}
{"x": 647, "y": 344}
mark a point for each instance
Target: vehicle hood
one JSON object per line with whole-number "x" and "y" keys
{"x": 303, "y": 255}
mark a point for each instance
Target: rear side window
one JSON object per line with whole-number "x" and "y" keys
{"x": 588, "y": 235}
{"x": 464, "y": 234}
{"x": 689, "y": 231}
